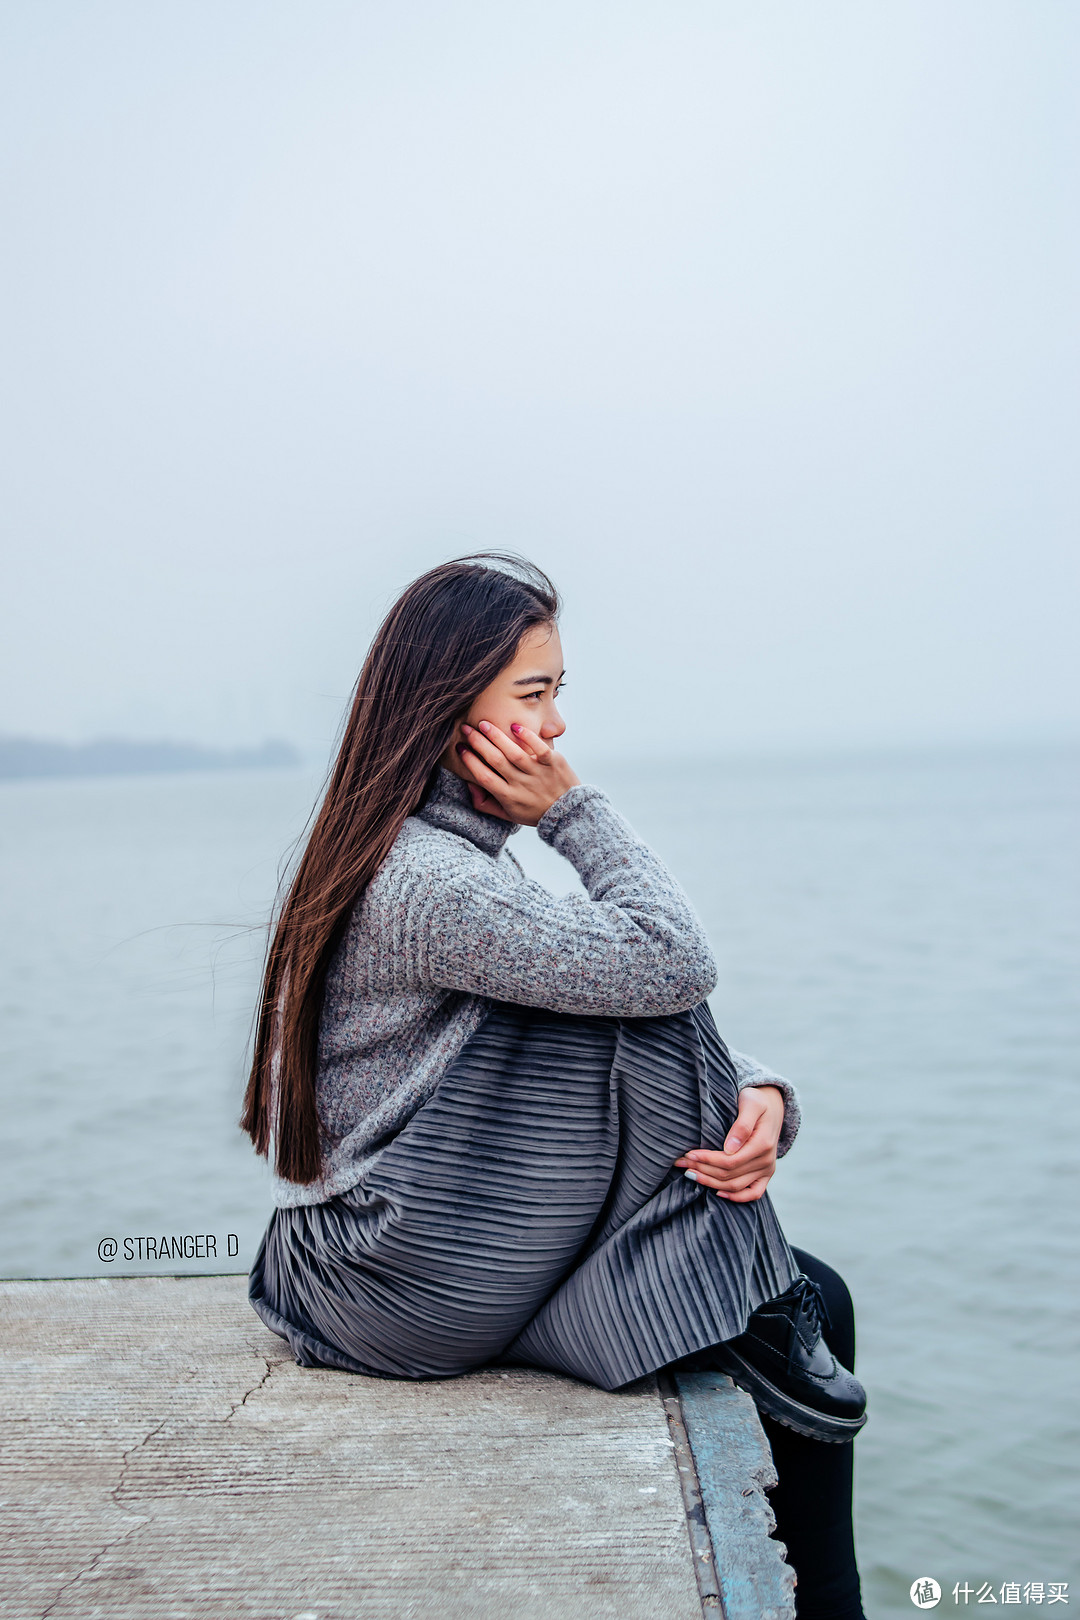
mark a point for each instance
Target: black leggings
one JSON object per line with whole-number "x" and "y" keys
{"x": 812, "y": 1502}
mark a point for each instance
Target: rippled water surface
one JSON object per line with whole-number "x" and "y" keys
{"x": 900, "y": 935}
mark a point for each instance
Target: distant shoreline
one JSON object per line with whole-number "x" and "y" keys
{"x": 27, "y": 757}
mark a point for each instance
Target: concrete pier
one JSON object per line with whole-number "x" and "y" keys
{"x": 165, "y": 1459}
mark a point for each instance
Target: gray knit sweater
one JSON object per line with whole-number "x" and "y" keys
{"x": 450, "y": 923}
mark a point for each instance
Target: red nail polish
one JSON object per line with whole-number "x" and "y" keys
{"x": 460, "y": 748}
{"x": 515, "y": 728}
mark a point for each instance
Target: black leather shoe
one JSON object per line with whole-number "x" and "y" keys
{"x": 785, "y": 1364}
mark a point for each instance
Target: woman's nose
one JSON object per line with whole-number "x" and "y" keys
{"x": 553, "y": 726}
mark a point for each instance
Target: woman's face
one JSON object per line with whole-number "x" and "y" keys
{"x": 521, "y": 694}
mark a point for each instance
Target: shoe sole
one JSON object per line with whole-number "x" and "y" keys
{"x": 785, "y": 1409}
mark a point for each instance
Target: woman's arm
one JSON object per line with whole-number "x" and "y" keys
{"x": 634, "y": 949}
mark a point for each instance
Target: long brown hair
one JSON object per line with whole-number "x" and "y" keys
{"x": 445, "y": 639}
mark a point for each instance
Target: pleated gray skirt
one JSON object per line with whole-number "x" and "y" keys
{"x": 529, "y": 1214}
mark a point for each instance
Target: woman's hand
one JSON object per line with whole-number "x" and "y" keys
{"x": 743, "y": 1170}
{"x": 517, "y": 778}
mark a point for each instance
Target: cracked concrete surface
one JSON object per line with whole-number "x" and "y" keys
{"x": 269, "y": 1363}
{"x": 50, "y": 1608}
{"x": 166, "y": 1459}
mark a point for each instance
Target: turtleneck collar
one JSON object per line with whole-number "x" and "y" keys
{"x": 449, "y": 806}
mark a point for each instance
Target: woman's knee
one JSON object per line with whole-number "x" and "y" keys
{"x": 839, "y": 1331}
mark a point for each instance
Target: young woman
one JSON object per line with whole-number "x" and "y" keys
{"x": 503, "y": 1124}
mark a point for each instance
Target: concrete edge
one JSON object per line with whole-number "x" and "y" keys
{"x": 733, "y": 1468}
{"x": 701, "y": 1546}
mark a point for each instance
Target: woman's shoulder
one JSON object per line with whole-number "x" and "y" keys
{"x": 434, "y": 857}
{"x": 424, "y": 864}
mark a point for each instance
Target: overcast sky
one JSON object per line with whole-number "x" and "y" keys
{"x": 755, "y": 323}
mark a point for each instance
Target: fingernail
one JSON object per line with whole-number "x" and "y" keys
{"x": 484, "y": 726}
{"x": 691, "y": 1175}
{"x": 460, "y": 748}
{"x": 733, "y": 1144}
{"x": 467, "y": 730}
{"x": 515, "y": 728}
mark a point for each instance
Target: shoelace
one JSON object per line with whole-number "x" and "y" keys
{"x": 809, "y": 1301}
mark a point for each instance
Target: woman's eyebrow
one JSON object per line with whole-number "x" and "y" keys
{"x": 537, "y": 680}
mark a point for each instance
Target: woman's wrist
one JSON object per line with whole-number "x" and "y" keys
{"x": 767, "y": 1087}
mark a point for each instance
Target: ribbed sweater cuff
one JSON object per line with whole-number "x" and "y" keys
{"x": 570, "y": 815}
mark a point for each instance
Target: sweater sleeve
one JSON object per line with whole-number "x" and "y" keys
{"x": 749, "y": 1072}
{"x": 633, "y": 949}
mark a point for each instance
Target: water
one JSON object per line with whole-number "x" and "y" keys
{"x": 899, "y": 935}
